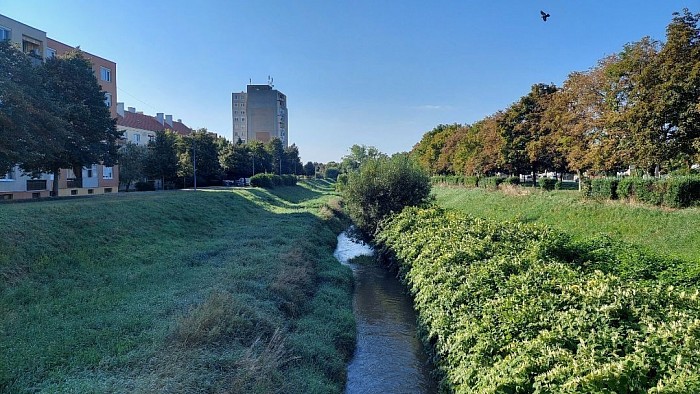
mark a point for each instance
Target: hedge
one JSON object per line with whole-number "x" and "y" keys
{"x": 547, "y": 183}
{"x": 509, "y": 308}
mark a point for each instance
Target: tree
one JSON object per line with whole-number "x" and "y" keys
{"x": 310, "y": 169}
{"x": 357, "y": 156}
{"x": 132, "y": 159}
{"x": 260, "y": 157}
{"x": 30, "y": 127}
{"x": 236, "y": 161}
{"x": 275, "y": 149}
{"x": 202, "y": 146}
{"x": 383, "y": 186}
{"x": 162, "y": 159}
{"x": 91, "y": 132}
{"x": 427, "y": 151}
{"x": 292, "y": 161}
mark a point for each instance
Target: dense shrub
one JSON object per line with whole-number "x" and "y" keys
{"x": 604, "y": 188}
{"x": 512, "y": 180}
{"x": 491, "y": 182}
{"x": 383, "y": 186}
{"x": 546, "y": 183}
{"x": 508, "y": 308}
{"x": 142, "y": 186}
{"x": 680, "y": 192}
{"x": 332, "y": 173}
{"x": 342, "y": 181}
{"x": 289, "y": 180}
{"x": 262, "y": 180}
{"x": 455, "y": 180}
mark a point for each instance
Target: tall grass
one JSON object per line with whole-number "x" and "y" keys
{"x": 208, "y": 291}
{"x": 663, "y": 231}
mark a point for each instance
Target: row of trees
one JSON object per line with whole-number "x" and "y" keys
{"x": 170, "y": 158}
{"x": 639, "y": 107}
{"x": 52, "y": 115}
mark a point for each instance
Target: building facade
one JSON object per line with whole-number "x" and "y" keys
{"x": 96, "y": 178}
{"x": 260, "y": 114}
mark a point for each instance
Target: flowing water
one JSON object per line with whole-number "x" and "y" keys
{"x": 389, "y": 357}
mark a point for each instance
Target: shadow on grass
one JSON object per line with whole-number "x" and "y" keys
{"x": 295, "y": 194}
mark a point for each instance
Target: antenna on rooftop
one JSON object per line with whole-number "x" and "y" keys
{"x": 269, "y": 81}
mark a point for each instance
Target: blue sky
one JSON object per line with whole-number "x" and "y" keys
{"x": 378, "y": 73}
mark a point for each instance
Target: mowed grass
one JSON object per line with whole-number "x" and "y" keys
{"x": 226, "y": 291}
{"x": 661, "y": 231}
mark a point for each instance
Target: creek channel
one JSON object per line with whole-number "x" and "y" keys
{"x": 389, "y": 357}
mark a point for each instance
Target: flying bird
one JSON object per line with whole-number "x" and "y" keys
{"x": 544, "y": 15}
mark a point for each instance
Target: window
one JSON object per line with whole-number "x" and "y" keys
{"x": 137, "y": 138}
{"x": 151, "y": 138}
{"x": 91, "y": 191}
{"x": 235, "y": 119}
{"x": 89, "y": 173}
{"x": 108, "y": 99}
{"x": 108, "y": 189}
{"x": 5, "y": 33}
{"x": 50, "y": 53}
{"x": 107, "y": 172}
{"x": 73, "y": 192}
{"x": 235, "y": 97}
{"x": 235, "y": 104}
{"x": 105, "y": 74}
{"x": 242, "y": 119}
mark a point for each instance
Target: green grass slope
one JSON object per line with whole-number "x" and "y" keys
{"x": 672, "y": 233}
{"x": 215, "y": 291}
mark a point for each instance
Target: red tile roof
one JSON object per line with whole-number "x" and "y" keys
{"x": 150, "y": 123}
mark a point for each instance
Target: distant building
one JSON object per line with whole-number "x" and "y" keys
{"x": 139, "y": 128}
{"x": 260, "y": 114}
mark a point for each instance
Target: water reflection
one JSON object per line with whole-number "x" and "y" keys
{"x": 389, "y": 357}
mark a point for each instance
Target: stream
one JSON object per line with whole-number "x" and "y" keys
{"x": 389, "y": 357}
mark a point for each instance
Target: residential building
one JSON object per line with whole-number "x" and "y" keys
{"x": 96, "y": 178}
{"x": 31, "y": 40}
{"x": 260, "y": 114}
{"x": 139, "y": 128}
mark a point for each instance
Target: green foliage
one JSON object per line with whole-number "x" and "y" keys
{"x": 132, "y": 159}
{"x": 331, "y": 173}
{"x": 665, "y": 232}
{"x": 262, "y": 180}
{"x": 491, "y": 182}
{"x": 162, "y": 160}
{"x": 341, "y": 182}
{"x": 546, "y": 183}
{"x": 143, "y": 186}
{"x": 603, "y": 188}
{"x": 512, "y": 180}
{"x": 508, "y": 307}
{"x": 681, "y": 192}
{"x": 384, "y": 186}
{"x": 288, "y": 180}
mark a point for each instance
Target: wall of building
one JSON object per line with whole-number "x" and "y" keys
{"x": 19, "y": 32}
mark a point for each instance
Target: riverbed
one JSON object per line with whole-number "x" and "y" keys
{"x": 389, "y": 357}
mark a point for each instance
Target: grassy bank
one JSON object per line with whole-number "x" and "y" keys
{"x": 215, "y": 291}
{"x": 659, "y": 230}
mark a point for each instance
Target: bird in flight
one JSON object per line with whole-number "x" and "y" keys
{"x": 544, "y": 15}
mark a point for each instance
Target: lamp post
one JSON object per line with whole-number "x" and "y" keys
{"x": 194, "y": 164}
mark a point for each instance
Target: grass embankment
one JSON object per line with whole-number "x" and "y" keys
{"x": 662, "y": 231}
{"x": 215, "y": 291}
{"x": 520, "y": 308}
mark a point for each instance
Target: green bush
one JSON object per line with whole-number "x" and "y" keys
{"x": 491, "y": 182}
{"x": 625, "y": 188}
{"x": 384, "y": 186}
{"x": 262, "y": 180}
{"x": 512, "y": 180}
{"x": 604, "y": 188}
{"x": 342, "y": 181}
{"x": 546, "y": 183}
{"x": 513, "y": 308}
{"x": 289, "y": 180}
{"x": 142, "y": 186}
{"x": 681, "y": 192}
{"x": 332, "y": 173}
